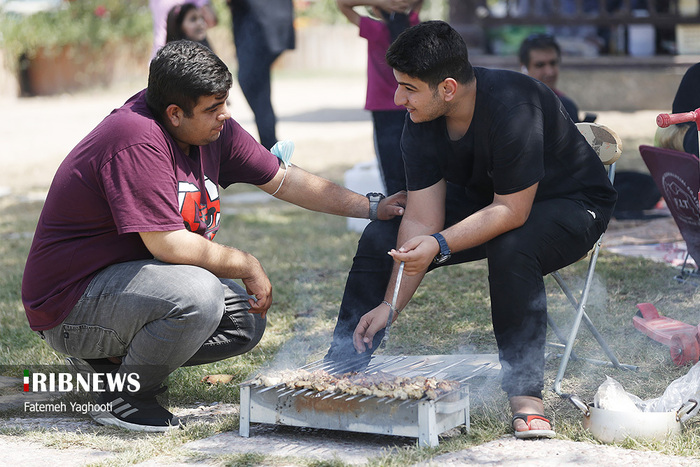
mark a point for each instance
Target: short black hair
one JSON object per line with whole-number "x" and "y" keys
{"x": 537, "y": 41}
{"x": 182, "y": 72}
{"x": 432, "y": 52}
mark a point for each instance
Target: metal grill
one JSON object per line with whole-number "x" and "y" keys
{"x": 423, "y": 418}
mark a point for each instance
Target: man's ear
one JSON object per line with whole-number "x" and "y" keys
{"x": 174, "y": 115}
{"x": 448, "y": 88}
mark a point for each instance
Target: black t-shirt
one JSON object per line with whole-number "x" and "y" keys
{"x": 520, "y": 135}
{"x": 570, "y": 107}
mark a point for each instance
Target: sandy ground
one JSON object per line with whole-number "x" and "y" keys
{"x": 317, "y": 445}
{"x": 323, "y": 116}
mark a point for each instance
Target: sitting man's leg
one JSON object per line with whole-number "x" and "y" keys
{"x": 365, "y": 287}
{"x": 557, "y": 233}
{"x": 153, "y": 315}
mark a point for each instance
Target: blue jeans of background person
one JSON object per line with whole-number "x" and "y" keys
{"x": 557, "y": 233}
{"x": 254, "y": 61}
{"x": 158, "y": 316}
{"x": 388, "y": 126}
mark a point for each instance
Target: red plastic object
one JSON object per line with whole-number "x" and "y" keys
{"x": 681, "y": 338}
{"x": 665, "y": 120}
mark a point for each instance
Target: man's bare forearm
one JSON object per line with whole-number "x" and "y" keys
{"x": 318, "y": 194}
{"x": 184, "y": 247}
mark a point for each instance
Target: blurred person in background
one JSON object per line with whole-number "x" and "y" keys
{"x": 262, "y": 30}
{"x": 391, "y": 17}
{"x": 186, "y": 21}
{"x": 159, "y": 15}
{"x": 540, "y": 57}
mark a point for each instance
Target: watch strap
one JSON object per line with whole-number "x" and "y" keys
{"x": 374, "y": 199}
{"x": 444, "y": 249}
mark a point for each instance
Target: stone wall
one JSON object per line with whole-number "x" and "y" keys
{"x": 336, "y": 47}
{"x": 629, "y": 90}
{"x": 619, "y": 83}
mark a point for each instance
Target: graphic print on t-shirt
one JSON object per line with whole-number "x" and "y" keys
{"x": 200, "y": 210}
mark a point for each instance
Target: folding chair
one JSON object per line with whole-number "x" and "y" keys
{"x": 609, "y": 148}
{"x": 677, "y": 175}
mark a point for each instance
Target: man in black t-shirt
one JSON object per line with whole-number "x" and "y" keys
{"x": 495, "y": 169}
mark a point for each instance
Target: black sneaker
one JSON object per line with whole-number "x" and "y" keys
{"x": 135, "y": 412}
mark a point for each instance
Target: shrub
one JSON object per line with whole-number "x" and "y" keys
{"x": 92, "y": 23}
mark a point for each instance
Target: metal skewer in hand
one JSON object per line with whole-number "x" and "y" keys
{"x": 393, "y": 306}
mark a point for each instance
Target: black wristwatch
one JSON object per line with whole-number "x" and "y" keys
{"x": 445, "y": 252}
{"x": 374, "y": 199}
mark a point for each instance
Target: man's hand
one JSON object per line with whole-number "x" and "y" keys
{"x": 258, "y": 285}
{"x": 370, "y": 324}
{"x": 417, "y": 253}
{"x": 392, "y": 206}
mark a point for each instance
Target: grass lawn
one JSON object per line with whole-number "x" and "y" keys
{"x": 307, "y": 256}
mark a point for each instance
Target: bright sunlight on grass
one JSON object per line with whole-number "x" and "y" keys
{"x": 307, "y": 257}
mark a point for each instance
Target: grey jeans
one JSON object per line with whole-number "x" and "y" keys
{"x": 158, "y": 317}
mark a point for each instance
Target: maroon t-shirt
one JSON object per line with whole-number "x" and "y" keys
{"x": 128, "y": 176}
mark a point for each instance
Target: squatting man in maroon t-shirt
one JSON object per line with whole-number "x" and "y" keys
{"x": 123, "y": 272}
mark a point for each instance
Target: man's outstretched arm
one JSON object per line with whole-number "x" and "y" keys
{"x": 318, "y": 194}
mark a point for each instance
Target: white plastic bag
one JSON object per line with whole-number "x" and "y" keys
{"x": 612, "y": 396}
{"x": 680, "y": 391}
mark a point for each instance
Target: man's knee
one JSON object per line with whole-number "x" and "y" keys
{"x": 512, "y": 251}
{"x": 378, "y": 238}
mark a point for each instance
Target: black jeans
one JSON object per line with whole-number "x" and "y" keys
{"x": 557, "y": 233}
